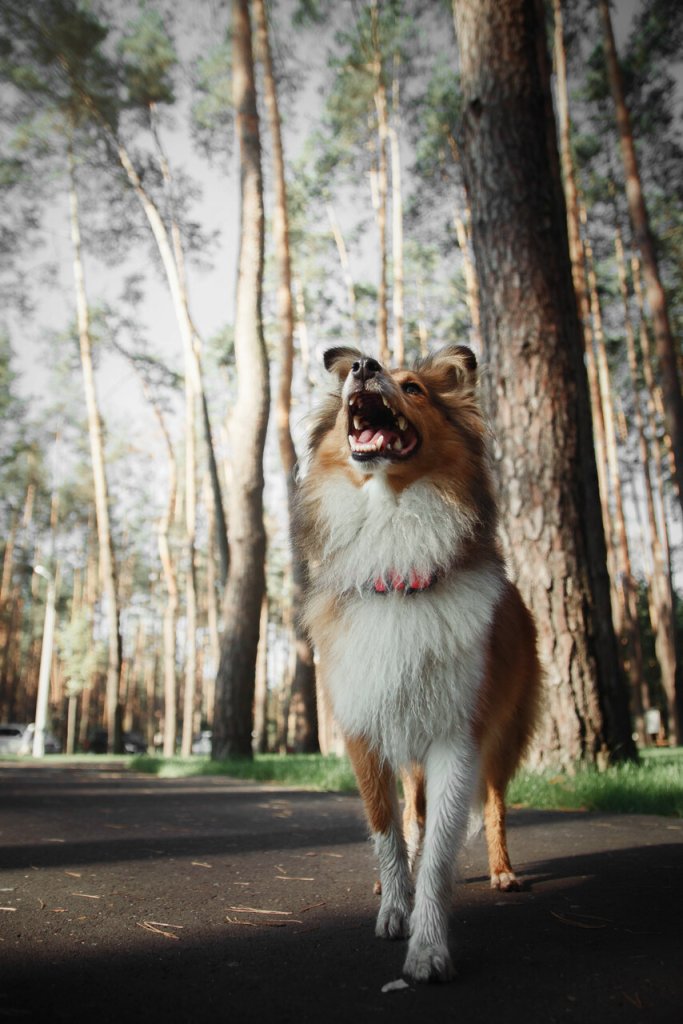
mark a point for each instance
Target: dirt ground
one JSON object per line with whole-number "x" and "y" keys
{"x": 128, "y": 898}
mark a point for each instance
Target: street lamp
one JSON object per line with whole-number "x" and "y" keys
{"x": 42, "y": 701}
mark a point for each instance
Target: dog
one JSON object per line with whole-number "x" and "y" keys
{"x": 427, "y": 652}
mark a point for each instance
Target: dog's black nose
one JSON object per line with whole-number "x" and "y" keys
{"x": 365, "y": 368}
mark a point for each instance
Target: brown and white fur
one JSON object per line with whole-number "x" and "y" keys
{"x": 437, "y": 681}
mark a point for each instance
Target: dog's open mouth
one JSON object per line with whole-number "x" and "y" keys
{"x": 377, "y": 430}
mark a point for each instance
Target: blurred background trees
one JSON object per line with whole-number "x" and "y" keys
{"x": 134, "y": 399}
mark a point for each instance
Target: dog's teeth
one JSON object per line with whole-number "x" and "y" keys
{"x": 357, "y": 422}
{"x": 352, "y": 400}
{"x": 402, "y": 422}
{"x": 352, "y": 443}
{"x": 379, "y": 442}
{"x": 398, "y": 444}
{"x": 389, "y": 446}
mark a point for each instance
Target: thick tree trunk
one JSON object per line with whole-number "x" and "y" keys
{"x": 664, "y": 339}
{"x": 537, "y": 393}
{"x": 304, "y": 738}
{"x": 246, "y": 577}
{"x": 106, "y": 547}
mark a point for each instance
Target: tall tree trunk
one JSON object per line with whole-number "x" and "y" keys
{"x": 189, "y": 335}
{"x": 170, "y": 582}
{"x": 575, "y": 217}
{"x": 106, "y": 546}
{"x": 461, "y": 221}
{"x": 304, "y": 737}
{"x": 659, "y": 584}
{"x": 538, "y": 393}
{"x": 397, "y": 224}
{"x": 211, "y": 606}
{"x": 190, "y": 566}
{"x": 343, "y": 254}
{"x": 246, "y": 577}
{"x": 624, "y": 609}
{"x": 380, "y": 98}
{"x": 261, "y": 688}
{"x": 655, "y": 404}
{"x": 660, "y": 591}
{"x": 664, "y": 339}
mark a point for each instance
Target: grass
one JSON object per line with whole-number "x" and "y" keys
{"x": 655, "y": 786}
{"x": 326, "y": 773}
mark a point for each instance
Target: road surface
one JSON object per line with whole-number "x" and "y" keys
{"x": 127, "y": 898}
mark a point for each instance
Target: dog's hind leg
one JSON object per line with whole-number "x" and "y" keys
{"x": 502, "y": 875}
{"x": 377, "y": 784}
{"x": 414, "y": 810}
{"x": 452, "y": 776}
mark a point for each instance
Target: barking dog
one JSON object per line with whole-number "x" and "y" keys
{"x": 427, "y": 652}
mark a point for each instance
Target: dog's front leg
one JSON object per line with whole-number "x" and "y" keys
{"x": 377, "y": 784}
{"x": 451, "y": 773}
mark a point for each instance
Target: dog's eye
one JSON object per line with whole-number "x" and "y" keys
{"x": 411, "y": 388}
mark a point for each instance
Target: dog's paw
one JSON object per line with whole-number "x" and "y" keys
{"x": 393, "y": 921}
{"x": 506, "y": 881}
{"x": 428, "y": 962}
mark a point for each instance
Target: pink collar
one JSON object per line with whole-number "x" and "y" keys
{"x": 415, "y": 583}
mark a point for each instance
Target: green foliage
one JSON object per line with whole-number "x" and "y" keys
{"x": 212, "y": 109}
{"x": 310, "y": 771}
{"x": 149, "y": 60}
{"x": 54, "y": 49}
{"x": 655, "y": 786}
{"x": 81, "y": 656}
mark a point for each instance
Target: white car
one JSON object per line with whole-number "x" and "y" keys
{"x": 16, "y": 738}
{"x": 11, "y": 735}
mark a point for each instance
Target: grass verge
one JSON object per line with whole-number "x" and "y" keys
{"x": 655, "y": 786}
{"x": 325, "y": 773}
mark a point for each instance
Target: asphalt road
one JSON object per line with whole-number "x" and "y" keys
{"x": 125, "y": 898}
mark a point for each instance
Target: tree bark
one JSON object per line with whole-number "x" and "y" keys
{"x": 304, "y": 738}
{"x": 380, "y": 98}
{"x": 246, "y": 577}
{"x": 656, "y": 296}
{"x": 537, "y": 392}
{"x": 104, "y": 535}
{"x": 397, "y": 225}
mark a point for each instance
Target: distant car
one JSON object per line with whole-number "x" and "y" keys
{"x": 11, "y": 735}
{"x": 17, "y": 738}
{"x": 202, "y": 743}
{"x": 52, "y": 744}
{"x": 98, "y": 741}
{"x": 134, "y": 743}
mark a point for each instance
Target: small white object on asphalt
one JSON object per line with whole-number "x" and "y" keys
{"x": 395, "y": 986}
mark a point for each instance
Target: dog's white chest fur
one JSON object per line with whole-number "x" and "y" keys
{"x": 402, "y": 669}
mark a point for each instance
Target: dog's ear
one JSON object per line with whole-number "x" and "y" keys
{"x": 457, "y": 364}
{"x": 340, "y": 360}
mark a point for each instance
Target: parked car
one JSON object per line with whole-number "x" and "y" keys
{"x": 11, "y": 735}
{"x": 98, "y": 741}
{"x": 17, "y": 738}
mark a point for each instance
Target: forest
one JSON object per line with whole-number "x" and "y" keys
{"x": 198, "y": 202}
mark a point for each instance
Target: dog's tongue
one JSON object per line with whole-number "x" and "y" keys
{"x": 366, "y": 436}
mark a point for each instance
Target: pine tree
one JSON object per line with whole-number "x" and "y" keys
{"x": 537, "y": 391}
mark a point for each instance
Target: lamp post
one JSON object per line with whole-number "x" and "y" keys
{"x": 43, "y": 698}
